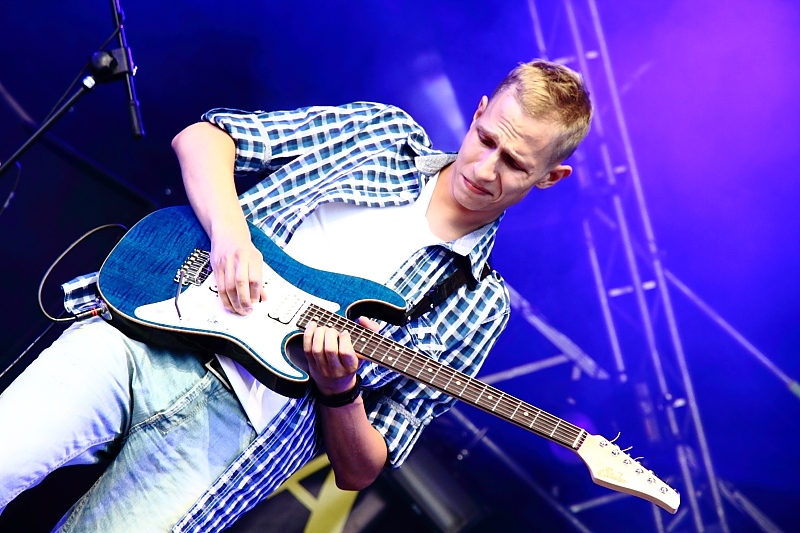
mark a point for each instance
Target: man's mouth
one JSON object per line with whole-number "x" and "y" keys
{"x": 475, "y": 188}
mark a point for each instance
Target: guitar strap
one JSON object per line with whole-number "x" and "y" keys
{"x": 442, "y": 290}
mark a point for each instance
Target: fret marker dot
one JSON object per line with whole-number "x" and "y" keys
{"x": 490, "y": 397}
{"x": 430, "y": 370}
{"x": 458, "y": 382}
{"x": 390, "y": 358}
{"x": 525, "y": 413}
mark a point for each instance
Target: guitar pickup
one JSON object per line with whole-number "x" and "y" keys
{"x": 286, "y": 309}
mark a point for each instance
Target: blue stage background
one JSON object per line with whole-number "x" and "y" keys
{"x": 709, "y": 94}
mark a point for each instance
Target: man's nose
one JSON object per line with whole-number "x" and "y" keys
{"x": 486, "y": 167}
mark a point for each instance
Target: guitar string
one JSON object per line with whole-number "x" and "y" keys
{"x": 473, "y": 390}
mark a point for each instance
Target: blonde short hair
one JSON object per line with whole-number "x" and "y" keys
{"x": 552, "y": 92}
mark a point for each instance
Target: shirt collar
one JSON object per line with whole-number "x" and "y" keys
{"x": 430, "y": 164}
{"x": 477, "y": 246}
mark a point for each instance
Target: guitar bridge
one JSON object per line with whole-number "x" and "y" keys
{"x": 196, "y": 268}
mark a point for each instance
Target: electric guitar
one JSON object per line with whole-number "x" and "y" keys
{"x": 158, "y": 287}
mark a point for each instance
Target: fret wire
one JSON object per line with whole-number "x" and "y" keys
{"x": 426, "y": 364}
{"x": 543, "y": 417}
{"x": 473, "y": 386}
{"x": 432, "y": 366}
{"x": 544, "y": 424}
{"x": 416, "y": 362}
{"x": 393, "y": 351}
{"x": 388, "y": 350}
{"x": 401, "y": 354}
{"x": 367, "y": 344}
{"x": 485, "y": 399}
{"x": 361, "y": 334}
{"x": 374, "y": 343}
{"x": 523, "y": 409}
{"x": 535, "y": 418}
{"x": 510, "y": 405}
{"x": 551, "y": 430}
{"x": 440, "y": 378}
{"x": 478, "y": 399}
{"x": 554, "y": 419}
{"x": 527, "y": 414}
{"x": 495, "y": 393}
{"x": 404, "y": 358}
{"x": 443, "y": 376}
{"x": 515, "y": 411}
{"x": 494, "y": 407}
{"x": 412, "y": 360}
{"x": 467, "y": 390}
{"x": 461, "y": 383}
{"x": 365, "y": 336}
{"x": 453, "y": 374}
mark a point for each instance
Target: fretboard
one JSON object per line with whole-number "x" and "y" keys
{"x": 422, "y": 368}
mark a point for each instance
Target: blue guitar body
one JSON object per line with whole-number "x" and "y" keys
{"x": 141, "y": 271}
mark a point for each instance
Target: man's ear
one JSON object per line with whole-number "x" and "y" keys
{"x": 481, "y": 108}
{"x": 554, "y": 176}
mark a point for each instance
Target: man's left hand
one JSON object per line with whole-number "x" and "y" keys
{"x": 332, "y": 360}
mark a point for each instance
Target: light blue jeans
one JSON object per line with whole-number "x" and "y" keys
{"x": 170, "y": 426}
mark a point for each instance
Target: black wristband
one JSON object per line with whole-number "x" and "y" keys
{"x": 338, "y": 400}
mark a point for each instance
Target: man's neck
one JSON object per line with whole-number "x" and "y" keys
{"x": 447, "y": 219}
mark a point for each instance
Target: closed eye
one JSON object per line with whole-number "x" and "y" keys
{"x": 513, "y": 163}
{"x": 486, "y": 141}
{"x": 510, "y": 160}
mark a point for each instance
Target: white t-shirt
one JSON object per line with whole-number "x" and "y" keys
{"x": 370, "y": 243}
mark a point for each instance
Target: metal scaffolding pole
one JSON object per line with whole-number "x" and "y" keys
{"x": 667, "y": 396}
{"x": 628, "y": 220}
{"x": 663, "y": 289}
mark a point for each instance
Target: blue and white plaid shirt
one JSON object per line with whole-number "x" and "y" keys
{"x": 371, "y": 155}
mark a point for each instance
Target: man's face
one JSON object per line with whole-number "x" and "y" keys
{"x": 504, "y": 154}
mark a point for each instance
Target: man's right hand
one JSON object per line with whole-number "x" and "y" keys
{"x": 238, "y": 267}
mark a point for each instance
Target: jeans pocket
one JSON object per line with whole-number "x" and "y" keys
{"x": 184, "y": 408}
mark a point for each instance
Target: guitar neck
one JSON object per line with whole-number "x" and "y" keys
{"x": 418, "y": 367}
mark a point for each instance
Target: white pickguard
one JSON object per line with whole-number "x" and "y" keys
{"x": 262, "y": 331}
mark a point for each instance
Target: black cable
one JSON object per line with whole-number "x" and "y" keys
{"x": 59, "y": 258}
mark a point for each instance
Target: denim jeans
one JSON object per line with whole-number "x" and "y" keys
{"x": 169, "y": 425}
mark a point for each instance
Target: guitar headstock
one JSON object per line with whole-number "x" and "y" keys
{"x": 612, "y": 468}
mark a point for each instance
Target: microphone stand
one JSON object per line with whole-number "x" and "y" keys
{"x": 128, "y": 70}
{"x": 87, "y": 85}
{"x": 105, "y": 67}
